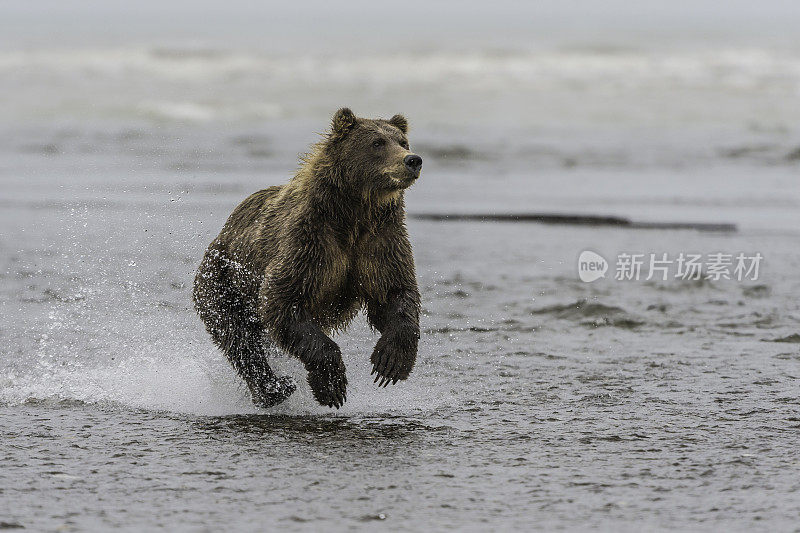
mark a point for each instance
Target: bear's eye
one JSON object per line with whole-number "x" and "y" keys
{"x": 377, "y": 143}
{"x": 404, "y": 144}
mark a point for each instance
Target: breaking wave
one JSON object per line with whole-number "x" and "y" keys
{"x": 204, "y": 84}
{"x": 742, "y": 69}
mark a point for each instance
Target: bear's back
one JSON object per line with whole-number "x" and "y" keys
{"x": 251, "y": 210}
{"x": 248, "y": 237}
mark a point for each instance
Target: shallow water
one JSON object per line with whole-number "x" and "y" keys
{"x": 538, "y": 400}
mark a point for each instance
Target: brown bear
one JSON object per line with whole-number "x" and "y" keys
{"x": 296, "y": 262}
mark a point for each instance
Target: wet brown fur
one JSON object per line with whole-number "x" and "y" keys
{"x": 296, "y": 262}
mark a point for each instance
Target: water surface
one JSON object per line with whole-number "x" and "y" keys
{"x": 538, "y": 401}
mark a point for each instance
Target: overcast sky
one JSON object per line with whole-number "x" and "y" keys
{"x": 406, "y": 24}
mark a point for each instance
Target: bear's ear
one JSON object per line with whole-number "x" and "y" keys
{"x": 401, "y": 123}
{"x": 343, "y": 121}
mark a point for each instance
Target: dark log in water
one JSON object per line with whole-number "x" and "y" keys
{"x": 575, "y": 220}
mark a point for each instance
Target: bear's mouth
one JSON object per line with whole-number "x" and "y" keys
{"x": 402, "y": 180}
{"x": 405, "y": 182}
{"x": 398, "y": 179}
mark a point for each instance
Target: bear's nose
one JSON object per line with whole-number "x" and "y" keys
{"x": 413, "y": 162}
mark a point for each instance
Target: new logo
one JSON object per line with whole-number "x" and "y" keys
{"x": 591, "y": 266}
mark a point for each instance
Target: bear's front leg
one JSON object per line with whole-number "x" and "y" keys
{"x": 321, "y": 357}
{"x": 323, "y": 360}
{"x": 396, "y": 351}
{"x": 282, "y": 310}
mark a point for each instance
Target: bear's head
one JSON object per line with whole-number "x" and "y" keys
{"x": 371, "y": 156}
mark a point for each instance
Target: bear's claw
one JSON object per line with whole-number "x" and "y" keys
{"x": 328, "y": 382}
{"x": 271, "y": 394}
{"x": 392, "y": 359}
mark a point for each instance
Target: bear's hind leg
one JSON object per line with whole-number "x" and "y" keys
{"x": 237, "y": 333}
{"x": 248, "y": 357}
